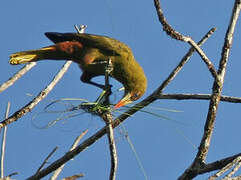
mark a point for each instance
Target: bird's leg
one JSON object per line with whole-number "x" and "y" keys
{"x": 104, "y": 97}
{"x": 86, "y": 78}
{"x": 108, "y": 70}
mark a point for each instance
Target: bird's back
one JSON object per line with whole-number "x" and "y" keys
{"x": 110, "y": 46}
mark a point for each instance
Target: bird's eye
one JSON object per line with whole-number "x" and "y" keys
{"x": 135, "y": 96}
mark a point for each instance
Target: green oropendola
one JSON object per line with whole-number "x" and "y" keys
{"x": 91, "y": 52}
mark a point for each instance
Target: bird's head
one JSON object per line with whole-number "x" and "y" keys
{"x": 135, "y": 83}
{"x": 128, "y": 98}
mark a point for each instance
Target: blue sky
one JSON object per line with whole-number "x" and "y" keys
{"x": 161, "y": 145}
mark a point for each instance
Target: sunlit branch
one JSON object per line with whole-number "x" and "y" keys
{"x": 230, "y": 99}
{"x": 178, "y": 36}
{"x": 16, "y": 76}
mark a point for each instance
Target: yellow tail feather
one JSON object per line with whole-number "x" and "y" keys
{"x": 21, "y": 58}
{"x": 29, "y": 56}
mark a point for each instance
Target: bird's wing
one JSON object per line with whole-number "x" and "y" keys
{"x": 108, "y": 45}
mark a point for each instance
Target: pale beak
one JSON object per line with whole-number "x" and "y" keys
{"x": 124, "y": 101}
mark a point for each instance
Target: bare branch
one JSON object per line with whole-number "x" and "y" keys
{"x": 234, "y": 170}
{"x": 229, "y": 99}
{"x": 4, "y": 142}
{"x": 28, "y": 107}
{"x": 233, "y": 178}
{"x": 8, "y": 177}
{"x": 184, "y": 60}
{"x": 218, "y": 164}
{"x": 107, "y": 117}
{"x": 217, "y": 86}
{"x": 178, "y": 36}
{"x": 58, "y": 163}
{"x": 69, "y": 155}
{"x": 192, "y": 171}
{"x": 47, "y": 158}
{"x": 74, "y": 145}
{"x": 166, "y": 27}
{"x": 77, "y": 176}
{"x": 16, "y": 76}
{"x": 226, "y": 168}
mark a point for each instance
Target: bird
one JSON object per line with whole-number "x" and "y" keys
{"x": 91, "y": 52}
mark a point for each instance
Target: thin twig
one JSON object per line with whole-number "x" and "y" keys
{"x": 225, "y": 168}
{"x": 4, "y": 142}
{"x": 28, "y": 107}
{"x": 233, "y": 178}
{"x": 184, "y": 60}
{"x": 69, "y": 155}
{"x": 213, "y": 166}
{"x": 201, "y": 155}
{"x": 47, "y": 158}
{"x": 8, "y": 177}
{"x": 230, "y": 99}
{"x": 76, "y": 176}
{"x": 123, "y": 129}
{"x": 178, "y": 36}
{"x": 16, "y": 76}
{"x": 217, "y": 165}
{"x": 234, "y": 170}
{"x": 74, "y": 145}
{"x": 107, "y": 117}
{"x": 91, "y": 140}
{"x": 204, "y": 57}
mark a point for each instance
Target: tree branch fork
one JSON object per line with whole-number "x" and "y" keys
{"x": 198, "y": 166}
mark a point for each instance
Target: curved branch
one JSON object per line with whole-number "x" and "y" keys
{"x": 178, "y": 36}
{"x": 28, "y": 107}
